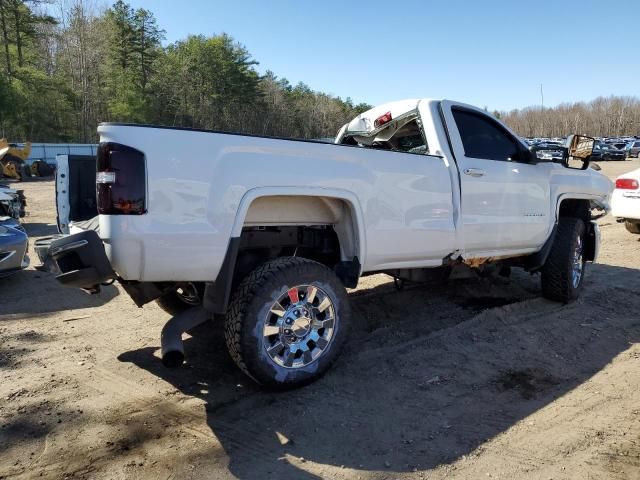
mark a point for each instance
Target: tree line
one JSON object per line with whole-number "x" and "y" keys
{"x": 603, "y": 117}
{"x": 66, "y": 67}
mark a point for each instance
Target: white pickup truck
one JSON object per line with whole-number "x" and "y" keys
{"x": 269, "y": 231}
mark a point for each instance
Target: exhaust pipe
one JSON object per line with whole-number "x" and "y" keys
{"x": 172, "y": 348}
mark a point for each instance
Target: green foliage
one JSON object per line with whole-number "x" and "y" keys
{"x": 202, "y": 81}
{"x": 61, "y": 77}
{"x": 132, "y": 48}
{"x": 43, "y": 102}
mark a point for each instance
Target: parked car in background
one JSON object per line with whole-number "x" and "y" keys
{"x": 625, "y": 200}
{"x": 619, "y": 145}
{"x": 633, "y": 149}
{"x": 603, "y": 151}
{"x": 611, "y": 152}
{"x": 13, "y": 246}
{"x": 596, "y": 154}
{"x": 552, "y": 151}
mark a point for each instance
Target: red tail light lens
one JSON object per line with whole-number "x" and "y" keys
{"x": 627, "y": 184}
{"x": 120, "y": 180}
{"x": 382, "y": 119}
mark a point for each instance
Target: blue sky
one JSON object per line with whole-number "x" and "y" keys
{"x": 488, "y": 53}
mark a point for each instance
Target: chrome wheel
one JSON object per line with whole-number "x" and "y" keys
{"x": 299, "y": 326}
{"x": 577, "y": 264}
{"x": 188, "y": 293}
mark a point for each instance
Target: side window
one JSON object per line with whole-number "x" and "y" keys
{"x": 483, "y": 138}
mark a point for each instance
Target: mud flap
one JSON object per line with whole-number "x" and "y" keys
{"x": 592, "y": 242}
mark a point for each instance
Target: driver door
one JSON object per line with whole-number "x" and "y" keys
{"x": 505, "y": 200}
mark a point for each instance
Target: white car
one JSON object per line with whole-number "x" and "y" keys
{"x": 270, "y": 230}
{"x": 625, "y": 200}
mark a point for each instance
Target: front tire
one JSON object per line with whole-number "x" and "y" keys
{"x": 563, "y": 272}
{"x": 287, "y": 322}
{"x": 632, "y": 227}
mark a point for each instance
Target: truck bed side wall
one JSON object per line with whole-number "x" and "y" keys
{"x": 197, "y": 182}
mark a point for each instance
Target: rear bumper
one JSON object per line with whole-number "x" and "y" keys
{"x": 80, "y": 260}
{"x": 625, "y": 204}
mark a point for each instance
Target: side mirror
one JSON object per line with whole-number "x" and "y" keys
{"x": 579, "y": 150}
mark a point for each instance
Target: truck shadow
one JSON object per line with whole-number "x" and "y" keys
{"x": 30, "y": 292}
{"x": 428, "y": 376}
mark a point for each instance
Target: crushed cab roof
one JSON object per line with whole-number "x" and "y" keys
{"x": 363, "y": 124}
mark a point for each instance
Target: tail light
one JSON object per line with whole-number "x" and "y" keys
{"x": 627, "y": 184}
{"x": 382, "y": 120}
{"x": 120, "y": 180}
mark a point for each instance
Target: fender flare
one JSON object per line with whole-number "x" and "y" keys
{"x": 574, "y": 196}
{"x": 338, "y": 194}
{"x": 217, "y": 294}
{"x": 535, "y": 262}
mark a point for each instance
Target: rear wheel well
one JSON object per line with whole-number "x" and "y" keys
{"x": 321, "y": 243}
{"x": 264, "y": 243}
{"x": 318, "y": 227}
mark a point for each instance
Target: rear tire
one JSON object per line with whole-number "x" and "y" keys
{"x": 632, "y": 227}
{"x": 287, "y": 322}
{"x": 563, "y": 272}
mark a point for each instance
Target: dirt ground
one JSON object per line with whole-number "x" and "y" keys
{"x": 469, "y": 380}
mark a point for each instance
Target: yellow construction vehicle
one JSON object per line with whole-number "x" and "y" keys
{"x": 12, "y": 159}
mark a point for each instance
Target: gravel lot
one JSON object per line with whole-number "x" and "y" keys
{"x": 473, "y": 379}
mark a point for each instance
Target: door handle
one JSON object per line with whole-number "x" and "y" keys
{"x": 474, "y": 172}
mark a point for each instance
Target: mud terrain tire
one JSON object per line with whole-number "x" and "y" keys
{"x": 563, "y": 272}
{"x": 278, "y": 332}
